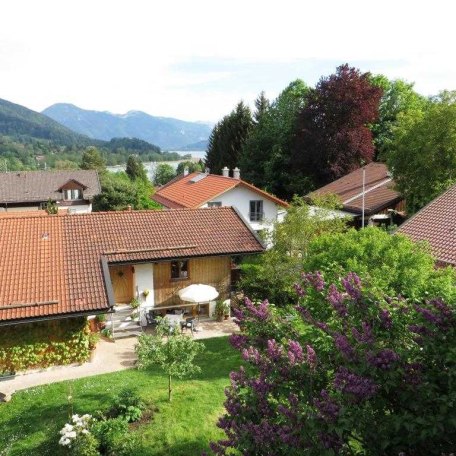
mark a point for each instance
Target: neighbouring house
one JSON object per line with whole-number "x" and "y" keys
{"x": 72, "y": 190}
{"x": 61, "y": 266}
{"x": 382, "y": 203}
{"x": 436, "y": 224}
{"x": 193, "y": 190}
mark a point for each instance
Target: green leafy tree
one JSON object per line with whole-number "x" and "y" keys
{"x": 273, "y": 273}
{"x": 118, "y": 192}
{"x": 261, "y": 107}
{"x": 135, "y": 169}
{"x": 265, "y": 157}
{"x": 390, "y": 265}
{"x": 422, "y": 156}
{"x": 228, "y": 138}
{"x": 92, "y": 159}
{"x": 190, "y": 165}
{"x": 163, "y": 174}
{"x": 170, "y": 350}
{"x": 398, "y": 98}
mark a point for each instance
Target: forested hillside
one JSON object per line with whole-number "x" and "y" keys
{"x": 30, "y": 140}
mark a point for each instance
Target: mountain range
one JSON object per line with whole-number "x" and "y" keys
{"x": 168, "y": 133}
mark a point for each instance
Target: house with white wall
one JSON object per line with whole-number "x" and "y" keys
{"x": 259, "y": 208}
{"x": 71, "y": 190}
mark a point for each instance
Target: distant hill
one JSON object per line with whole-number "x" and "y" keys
{"x": 200, "y": 145}
{"x": 18, "y": 121}
{"x": 168, "y": 133}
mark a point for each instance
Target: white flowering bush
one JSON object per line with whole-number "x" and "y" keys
{"x": 77, "y": 429}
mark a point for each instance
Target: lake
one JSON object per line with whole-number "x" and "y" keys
{"x": 150, "y": 167}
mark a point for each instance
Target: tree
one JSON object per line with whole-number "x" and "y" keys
{"x": 92, "y": 159}
{"x": 398, "y": 98}
{"x": 163, "y": 174}
{"x": 170, "y": 350}
{"x": 388, "y": 265}
{"x": 227, "y": 139}
{"x": 118, "y": 192}
{"x": 265, "y": 157}
{"x": 135, "y": 169}
{"x": 342, "y": 373}
{"x": 333, "y": 137}
{"x": 273, "y": 273}
{"x": 190, "y": 165}
{"x": 261, "y": 107}
{"x": 422, "y": 156}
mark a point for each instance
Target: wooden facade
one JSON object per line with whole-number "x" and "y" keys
{"x": 214, "y": 271}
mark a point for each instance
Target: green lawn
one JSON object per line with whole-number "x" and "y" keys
{"x": 30, "y": 423}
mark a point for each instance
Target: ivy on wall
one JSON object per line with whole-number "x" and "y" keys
{"x": 43, "y": 344}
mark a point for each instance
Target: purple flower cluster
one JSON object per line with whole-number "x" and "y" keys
{"x": 352, "y": 285}
{"x": 314, "y": 279}
{"x": 327, "y": 408}
{"x": 361, "y": 388}
{"x": 384, "y": 359}
{"x": 274, "y": 350}
{"x": 259, "y": 311}
{"x": 385, "y": 319}
{"x": 299, "y": 290}
{"x": 343, "y": 345}
{"x": 336, "y": 299}
{"x": 311, "y": 357}
{"x": 238, "y": 341}
{"x": 443, "y": 318}
{"x": 305, "y": 313}
{"x": 295, "y": 352}
{"x": 251, "y": 354}
{"x": 365, "y": 335}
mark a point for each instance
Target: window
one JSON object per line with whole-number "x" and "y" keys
{"x": 73, "y": 194}
{"x": 256, "y": 211}
{"x": 179, "y": 269}
{"x": 214, "y": 204}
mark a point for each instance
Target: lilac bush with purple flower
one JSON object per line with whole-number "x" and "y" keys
{"x": 342, "y": 372}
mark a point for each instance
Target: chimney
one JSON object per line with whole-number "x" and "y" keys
{"x": 207, "y": 170}
{"x": 236, "y": 173}
{"x": 186, "y": 171}
{"x": 225, "y": 172}
{"x": 129, "y": 207}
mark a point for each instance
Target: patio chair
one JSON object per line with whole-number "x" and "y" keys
{"x": 188, "y": 323}
{"x": 151, "y": 318}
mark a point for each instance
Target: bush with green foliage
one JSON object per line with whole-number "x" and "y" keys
{"x": 343, "y": 373}
{"x": 127, "y": 405}
{"x": 43, "y": 344}
{"x": 387, "y": 264}
{"x": 164, "y": 172}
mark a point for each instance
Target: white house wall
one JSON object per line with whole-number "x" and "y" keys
{"x": 240, "y": 197}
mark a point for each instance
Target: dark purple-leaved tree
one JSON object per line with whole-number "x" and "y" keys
{"x": 343, "y": 372}
{"x": 333, "y": 137}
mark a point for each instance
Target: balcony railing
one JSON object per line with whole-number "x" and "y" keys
{"x": 256, "y": 216}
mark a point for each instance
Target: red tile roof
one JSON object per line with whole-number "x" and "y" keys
{"x": 53, "y": 265}
{"x": 436, "y": 224}
{"x": 182, "y": 192}
{"x": 379, "y": 189}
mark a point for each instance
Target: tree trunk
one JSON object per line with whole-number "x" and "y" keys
{"x": 169, "y": 388}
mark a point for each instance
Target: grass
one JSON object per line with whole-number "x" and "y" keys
{"x": 31, "y": 422}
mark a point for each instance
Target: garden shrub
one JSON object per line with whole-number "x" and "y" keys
{"x": 114, "y": 438}
{"x": 43, "y": 344}
{"x": 344, "y": 372}
{"x": 127, "y": 405}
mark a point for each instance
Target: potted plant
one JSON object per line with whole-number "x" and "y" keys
{"x": 134, "y": 303}
{"x": 219, "y": 310}
{"x": 226, "y": 309}
{"x": 101, "y": 320}
{"x": 145, "y": 293}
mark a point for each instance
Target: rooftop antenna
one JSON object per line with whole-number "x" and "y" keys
{"x": 364, "y": 188}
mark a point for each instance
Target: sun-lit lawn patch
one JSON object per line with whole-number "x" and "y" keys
{"x": 30, "y": 423}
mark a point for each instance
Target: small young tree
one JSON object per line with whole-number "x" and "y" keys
{"x": 164, "y": 172}
{"x": 170, "y": 350}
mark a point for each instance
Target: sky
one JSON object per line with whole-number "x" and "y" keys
{"x": 194, "y": 60}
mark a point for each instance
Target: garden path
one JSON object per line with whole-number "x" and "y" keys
{"x": 108, "y": 357}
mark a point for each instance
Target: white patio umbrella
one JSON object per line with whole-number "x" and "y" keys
{"x": 198, "y": 293}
